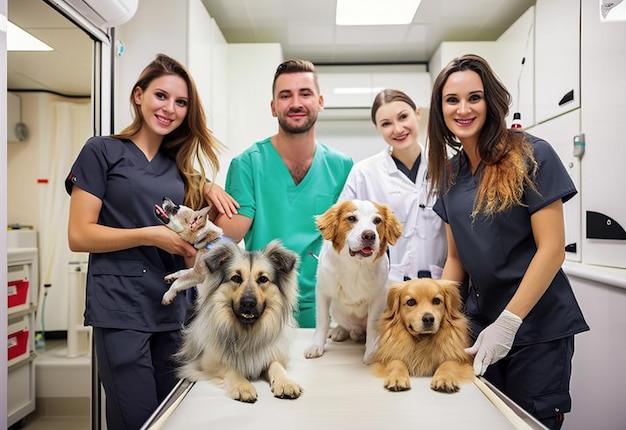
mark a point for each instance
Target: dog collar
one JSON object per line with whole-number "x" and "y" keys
{"x": 212, "y": 243}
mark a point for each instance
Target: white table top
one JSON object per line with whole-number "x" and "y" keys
{"x": 340, "y": 392}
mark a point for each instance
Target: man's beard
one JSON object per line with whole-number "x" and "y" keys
{"x": 299, "y": 129}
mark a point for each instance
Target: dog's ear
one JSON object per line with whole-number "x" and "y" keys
{"x": 452, "y": 298}
{"x": 327, "y": 222}
{"x": 392, "y": 307}
{"x": 204, "y": 211}
{"x": 200, "y": 218}
{"x": 283, "y": 259}
{"x": 393, "y": 227}
{"x": 218, "y": 255}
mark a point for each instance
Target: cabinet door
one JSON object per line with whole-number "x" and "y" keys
{"x": 557, "y": 57}
{"x": 515, "y": 66}
{"x": 560, "y": 132}
{"x": 602, "y": 120}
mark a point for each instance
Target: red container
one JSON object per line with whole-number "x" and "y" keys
{"x": 17, "y": 341}
{"x": 17, "y": 293}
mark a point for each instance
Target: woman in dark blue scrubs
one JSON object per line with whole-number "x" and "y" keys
{"x": 501, "y": 196}
{"x": 114, "y": 184}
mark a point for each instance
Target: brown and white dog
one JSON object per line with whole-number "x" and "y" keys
{"x": 352, "y": 272}
{"x": 194, "y": 227}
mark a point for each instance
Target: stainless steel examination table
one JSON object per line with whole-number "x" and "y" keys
{"x": 340, "y": 392}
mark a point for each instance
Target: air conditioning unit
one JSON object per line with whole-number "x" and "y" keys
{"x": 104, "y": 13}
{"x": 349, "y": 90}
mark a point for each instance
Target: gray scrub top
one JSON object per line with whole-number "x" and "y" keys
{"x": 124, "y": 288}
{"x": 496, "y": 251}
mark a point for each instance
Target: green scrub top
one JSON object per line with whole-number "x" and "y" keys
{"x": 260, "y": 181}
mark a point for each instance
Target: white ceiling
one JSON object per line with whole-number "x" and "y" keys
{"x": 305, "y": 29}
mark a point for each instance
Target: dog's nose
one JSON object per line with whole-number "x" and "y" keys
{"x": 428, "y": 320}
{"x": 368, "y": 235}
{"x": 247, "y": 304}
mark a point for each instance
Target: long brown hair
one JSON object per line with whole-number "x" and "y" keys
{"x": 191, "y": 144}
{"x": 508, "y": 159}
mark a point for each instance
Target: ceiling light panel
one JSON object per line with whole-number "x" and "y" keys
{"x": 376, "y": 12}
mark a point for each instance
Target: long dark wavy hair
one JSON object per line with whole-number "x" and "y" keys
{"x": 508, "y": 161}
{"x": 191, "y": 145}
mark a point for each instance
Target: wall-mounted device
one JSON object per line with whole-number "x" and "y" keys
{"x": 17, "y": 131}
{"x": 579, "y": 145}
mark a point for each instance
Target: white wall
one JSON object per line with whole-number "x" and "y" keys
{"x": 251, "y": 70}
{"x": 356, "y": 138}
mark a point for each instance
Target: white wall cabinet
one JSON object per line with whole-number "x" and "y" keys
{"x": 557, "y": 57}
{"x": 561, "y": 133}
{"x": 602, "y": 120}
{"x": 22, "y": 286}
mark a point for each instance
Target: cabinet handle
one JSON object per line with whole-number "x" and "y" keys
{"x": 601, "y": 226}
{"x": 568, "y": 97}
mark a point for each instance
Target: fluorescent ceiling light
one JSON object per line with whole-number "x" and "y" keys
{"x": 20, "y": 40}
{"x": 376, "y": 12}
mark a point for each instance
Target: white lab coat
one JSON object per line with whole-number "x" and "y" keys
{"x": 423, "y": 243}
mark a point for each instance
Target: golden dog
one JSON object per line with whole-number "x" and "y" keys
{"x": 423, "y": 332}
{"x": 243, "y": 319}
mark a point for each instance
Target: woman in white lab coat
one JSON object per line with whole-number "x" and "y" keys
{"x": 397, "y": 176}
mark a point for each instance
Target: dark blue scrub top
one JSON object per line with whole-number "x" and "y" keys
{"x": 496, "y": 251}
{"x": 124, "y": 288}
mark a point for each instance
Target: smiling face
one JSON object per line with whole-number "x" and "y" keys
{"x": 397, "y": 123}
{"x": 296, "y": 102}
{"x": 463, "y": 105}
{"x": 163, "y": 104}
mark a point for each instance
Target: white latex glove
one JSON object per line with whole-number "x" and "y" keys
{"x": 494, "y": 342}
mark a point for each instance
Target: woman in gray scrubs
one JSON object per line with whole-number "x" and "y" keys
{"x": 114, "y": 184}
{"x": 501, "y": 196}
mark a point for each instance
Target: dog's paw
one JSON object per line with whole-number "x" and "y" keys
{"x": 444, "y": 384}
{"x": 170, "y": 278}
{"x": 357, "y": 336}
{"x": 338, "y": 334}
{"x": 244, "y": 392}
{"x": 168, "y": 297}
{"x": 286, "y": 390}
{"x": 397, "y": 383}
{"x": 314, "y": 351}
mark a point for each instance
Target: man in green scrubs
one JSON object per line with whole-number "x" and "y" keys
{"x": 281, "y": 183}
